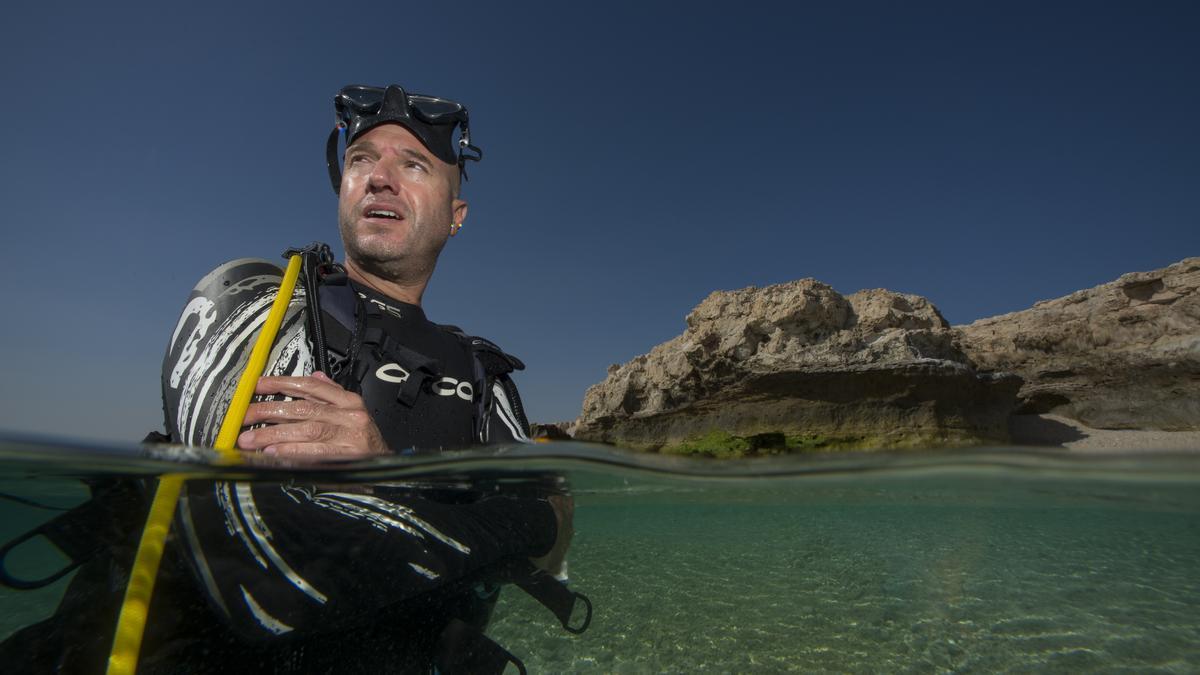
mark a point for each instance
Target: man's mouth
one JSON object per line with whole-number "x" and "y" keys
{"x": 382, "y": 213}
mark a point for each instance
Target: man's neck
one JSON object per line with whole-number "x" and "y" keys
{"x": 392, "y": 289}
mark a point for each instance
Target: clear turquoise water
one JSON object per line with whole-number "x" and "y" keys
{"x": 997, "y": 561}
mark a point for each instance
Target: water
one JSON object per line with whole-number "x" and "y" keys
{"x": 997, "y": 560}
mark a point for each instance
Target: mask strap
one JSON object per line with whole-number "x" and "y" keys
{"x": 331, "y": 158}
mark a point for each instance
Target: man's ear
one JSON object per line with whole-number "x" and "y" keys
{"x": 459, "y": 208}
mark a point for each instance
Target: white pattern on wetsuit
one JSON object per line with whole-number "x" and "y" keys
{"x": 379, "y": 513}
{"x": 262, "y": 536}
{"x": 505, "y": 413}
{"x": 423, "y": 571}
{"x": 233, "y": 522}
{"x": 264, "y": 619}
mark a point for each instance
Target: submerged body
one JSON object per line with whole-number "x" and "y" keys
{"x": 996, "y": 561}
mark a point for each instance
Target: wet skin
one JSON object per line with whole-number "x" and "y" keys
{"x": 395, "y": 207}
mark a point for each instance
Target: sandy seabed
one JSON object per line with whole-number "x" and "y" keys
{"x": 1063, "y": 432}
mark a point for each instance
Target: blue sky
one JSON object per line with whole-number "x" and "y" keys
{"x": 637, "y": 157}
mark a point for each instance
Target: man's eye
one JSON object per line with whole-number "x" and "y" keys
{"x": 417, "y": 165}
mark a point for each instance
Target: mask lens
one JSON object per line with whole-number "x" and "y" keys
{"x": 363, "y": 99}
{"x": 434, "y": 109}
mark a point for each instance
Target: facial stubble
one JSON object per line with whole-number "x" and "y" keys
{"x": 408, "y": 260}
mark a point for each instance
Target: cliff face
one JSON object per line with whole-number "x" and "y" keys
{"x": 885, "y": 369}
{"x": 1122, "y": 355}
{"x": 799, "y": 359}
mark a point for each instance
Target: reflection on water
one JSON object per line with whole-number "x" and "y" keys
{"x": 994, "y": 560}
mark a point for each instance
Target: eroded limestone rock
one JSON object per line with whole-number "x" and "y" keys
{"x": 799, "y": 358}
{"x": 1122, "y": 355}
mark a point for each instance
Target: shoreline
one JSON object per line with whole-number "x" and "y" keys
{"x": 1063, "y": 432}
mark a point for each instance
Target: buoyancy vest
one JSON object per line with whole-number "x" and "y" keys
{"x": 427, "y": 385}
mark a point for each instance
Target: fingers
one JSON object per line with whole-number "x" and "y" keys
{"x": 324, "y": 420}
{"x": 313, "y": 451}
{"x": 296, "y": 432}
{"x": 308, "y": 452}
{"x": 277, "y": 412}
{"x": 317, "y": 387}
{"x": 314, "y": 439}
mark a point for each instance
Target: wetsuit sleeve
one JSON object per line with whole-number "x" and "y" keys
{"x": 506, "y": 419}
{"x": 280, "y": 559}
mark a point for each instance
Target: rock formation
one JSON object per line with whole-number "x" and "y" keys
{"x": 799, "y": 360}
{"x": 1123, "y": 355}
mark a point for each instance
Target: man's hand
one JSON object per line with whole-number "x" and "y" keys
{"x": 564, "y": 513}
{"x": 325, "y": 421}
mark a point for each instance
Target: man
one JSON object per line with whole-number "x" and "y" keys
{"x": 398, "y": 204}
{"x": 269, "y": 577}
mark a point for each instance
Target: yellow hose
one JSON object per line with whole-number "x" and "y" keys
{"x": 131, "y": 625}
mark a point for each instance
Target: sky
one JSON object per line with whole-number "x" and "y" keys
{"x": 637, "y": 156}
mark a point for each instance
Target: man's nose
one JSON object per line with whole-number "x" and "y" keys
{"x": 384, "y": 177}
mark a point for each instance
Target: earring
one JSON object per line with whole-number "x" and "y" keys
{"x": 454, "y": 228}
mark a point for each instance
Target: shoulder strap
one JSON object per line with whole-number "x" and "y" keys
{"x": 495, "y": 361}
{"x": 337, "y": 304}
{"x": 492, "y": 366}
{"x": 338, "y": 301}
{"x": 317, "y": 263}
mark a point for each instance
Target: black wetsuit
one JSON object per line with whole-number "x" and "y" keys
{"x": 442, "y": 411}
{"x": 436, "y": 405}
{"x": 296, "y": 578}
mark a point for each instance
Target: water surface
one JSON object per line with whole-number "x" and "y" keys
{"x": 983, "y": 561}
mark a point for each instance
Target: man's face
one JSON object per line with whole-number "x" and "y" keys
{"x": 396, "y": 204}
